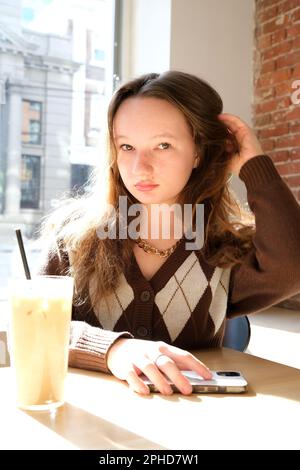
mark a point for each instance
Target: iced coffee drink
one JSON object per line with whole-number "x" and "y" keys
{"x": 39, "y": 339}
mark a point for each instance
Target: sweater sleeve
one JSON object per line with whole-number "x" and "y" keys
{"x": 89, "y": 344}
{"x": 271, "y": 270}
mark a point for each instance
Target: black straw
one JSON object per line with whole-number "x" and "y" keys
{"x": 23, "y": 254}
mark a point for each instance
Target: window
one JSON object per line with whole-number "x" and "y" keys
{"x": 80, "y": 175}
{"x": 99, "y": 55}
{"x": 31, "y": 128}
{"x": 30, "y": 182}
{"x": 27, "y": 15}
{"x": 50, "y": 123}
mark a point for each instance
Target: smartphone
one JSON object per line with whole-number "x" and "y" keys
{"x": 222, "y": 381}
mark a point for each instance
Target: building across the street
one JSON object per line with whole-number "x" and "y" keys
{"x": 52, "y": 100}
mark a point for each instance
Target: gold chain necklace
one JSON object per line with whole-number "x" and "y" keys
{"x": 155, "y": 251}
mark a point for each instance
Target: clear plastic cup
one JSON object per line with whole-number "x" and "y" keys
{"x": 39, "y": 339}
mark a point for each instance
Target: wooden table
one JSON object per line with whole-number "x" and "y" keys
{"x": 102, "y": 413}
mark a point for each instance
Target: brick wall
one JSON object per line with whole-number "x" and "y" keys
{"x": 276, "y": 67}
{"x": 276, "y": 114}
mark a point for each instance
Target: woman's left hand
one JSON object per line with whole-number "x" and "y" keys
{"x": 247, "y": 140}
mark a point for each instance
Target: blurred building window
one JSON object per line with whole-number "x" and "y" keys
{"x": 32, "y": 122}
{"x": 79, "y": 177}
{"x": 30, "y": 181}
{"x": 99, "y": 55}
{"x": 27, "y": 15}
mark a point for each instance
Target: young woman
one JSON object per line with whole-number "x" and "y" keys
{"x": 141, "y": 303}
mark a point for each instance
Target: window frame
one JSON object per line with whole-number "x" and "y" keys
{"x": 40, "y": 121}
{"x": 37, "y": 200}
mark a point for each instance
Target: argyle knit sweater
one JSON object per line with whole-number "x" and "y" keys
{"x": 187, "y": 301}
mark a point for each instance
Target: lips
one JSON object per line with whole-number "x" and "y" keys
{"x": 146, "y": 186}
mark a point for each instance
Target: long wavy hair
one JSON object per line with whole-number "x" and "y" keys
{"x": 229, "y": 228}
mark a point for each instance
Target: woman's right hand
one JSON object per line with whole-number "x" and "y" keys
{"x": 127, "y": 359}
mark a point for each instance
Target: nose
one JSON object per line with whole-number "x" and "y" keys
{"x": 142, "y": 164}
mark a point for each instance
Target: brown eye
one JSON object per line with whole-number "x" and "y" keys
{"x": 165, "y": 145}
{"x": 126, "y": 147}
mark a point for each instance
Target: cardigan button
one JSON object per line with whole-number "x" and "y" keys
{"x": 145, "y": 296}
{"x": 142, "y": 331}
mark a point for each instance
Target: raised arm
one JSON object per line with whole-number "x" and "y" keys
{"x": 271, "y": 271}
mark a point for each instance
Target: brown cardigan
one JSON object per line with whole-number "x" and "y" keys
{"x": 187, "y": 301}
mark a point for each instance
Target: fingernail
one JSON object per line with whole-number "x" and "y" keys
{"x": 187, "y": 390}
{"x": 143, "y": 391}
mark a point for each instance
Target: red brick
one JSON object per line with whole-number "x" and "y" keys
{"x": 295, "y": 15}
{"x": 295, "y": 166}
{"x": 279, "y": 116}
{"x": 296, "y": 71}
{"x": 283, "y": 169}
{"x": 267, "y": 14}
{"x": 265, "y": 3}
{"x": 289, "y": 59}
{"x": 284, "y": 88}
{"x": 287, "y": 5}
{"x": 269, "y": 27}
{"x": 288, "y": 169}
{"x": 293, "y": 114}
{"x": 265, "y": 80}
{"x": 262, "y": 120}
{"x": 293, "y": 31}
{"x": 264, "y": 41}
{"x": 268, "y": 66}
{"x": 284, "y": 102}
{"x": 269, "y": 53}
{"x": 264, "y": 93}
{"x": 276, "y": 24}
{"x": 275, "y": 51}
{"x": 294, "y": 128}
{"x": 281, "y": 75}
{"x": 267, "y": 145}
{"x": 288, "y": 141}
{"x": 280, "y": 156}
{"x": 266, "y": 106}
{"x": 293, "y": 181}
{"x": 272, "y": 105}
{"x": 296, "y": 43}
{"x": 278, "y": 36}
{"x": 284, "y": 47}
{"x": 277, "y": 67}
{"x": 295, "y": 154}
{"x": 281, "y": 129}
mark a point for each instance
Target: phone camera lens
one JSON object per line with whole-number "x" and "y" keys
{"x": 228, "y": 373}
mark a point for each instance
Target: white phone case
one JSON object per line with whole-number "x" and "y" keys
{"x": 221, "y": 382}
